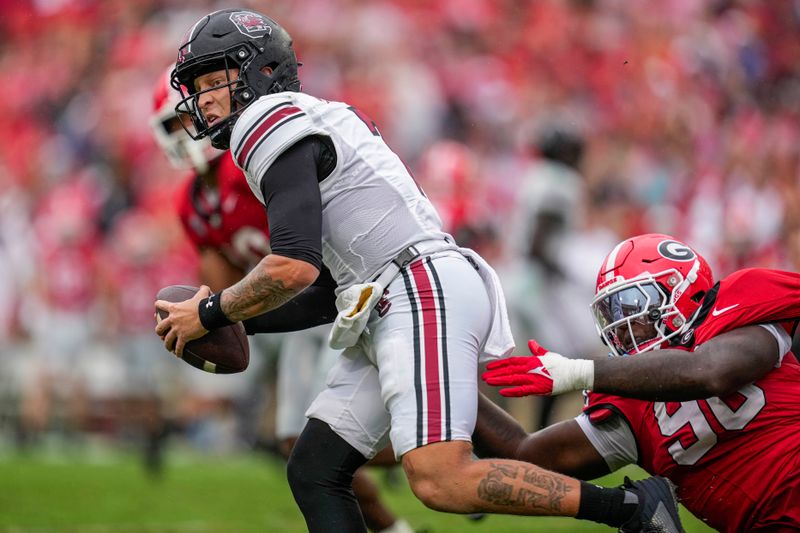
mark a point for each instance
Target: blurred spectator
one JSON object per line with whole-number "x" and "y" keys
{"x": 553, "y": 262}
{"x": 65, "y": 290}
{"x": 148, "y": 384}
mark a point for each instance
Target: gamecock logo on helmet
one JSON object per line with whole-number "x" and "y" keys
{"x": 251, "y": 24}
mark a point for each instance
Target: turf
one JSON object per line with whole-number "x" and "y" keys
{"x": 76, "y": 493}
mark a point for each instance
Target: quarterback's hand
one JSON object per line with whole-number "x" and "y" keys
{"x": 544, "y": 373}
{"x": 183, "y": 323}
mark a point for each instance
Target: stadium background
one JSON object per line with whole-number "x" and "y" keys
{"x": 688, "y": 108}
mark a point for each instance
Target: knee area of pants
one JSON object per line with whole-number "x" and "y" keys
{"x": 298, "y": 474}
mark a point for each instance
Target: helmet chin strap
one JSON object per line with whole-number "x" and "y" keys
{"x": 221, "y": 136}
{"x": 690, "y": 278}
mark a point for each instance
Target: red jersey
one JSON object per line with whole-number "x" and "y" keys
{"x": 229, "y": 219}
{"x": 733, "y": 458}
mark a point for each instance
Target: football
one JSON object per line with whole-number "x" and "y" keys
{"x": 221, "y": 351}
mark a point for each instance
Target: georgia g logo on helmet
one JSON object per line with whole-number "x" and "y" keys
{"x": 676, "y": 251}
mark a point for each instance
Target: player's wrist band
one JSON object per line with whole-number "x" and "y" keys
{"x": 210, "y": 311}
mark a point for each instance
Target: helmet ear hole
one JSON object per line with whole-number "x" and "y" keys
{"x": 698, "y": 297}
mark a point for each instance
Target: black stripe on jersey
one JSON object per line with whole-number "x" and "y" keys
{"x": 263, "y": 138}
{"x": 443, "y": 335}
{"x": 255, "y": 124}
{"x": 708, "y": 303}
{"x": 412, "y": 299}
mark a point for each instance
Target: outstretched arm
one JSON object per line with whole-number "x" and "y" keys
{"x": 497, "y": 433}
{"x": 562, "y": 447}
{"x": 718, "y": 367}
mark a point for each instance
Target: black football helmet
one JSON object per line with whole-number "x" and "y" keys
{"x": 226, "y": 39}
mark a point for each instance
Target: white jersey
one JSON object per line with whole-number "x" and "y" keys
{"x": 372, "y": 209}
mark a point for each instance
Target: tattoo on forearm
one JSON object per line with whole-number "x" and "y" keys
{"x": 523, "y": 486}
{"x": 494, "y": 488}
{"x": 256, "y": 293}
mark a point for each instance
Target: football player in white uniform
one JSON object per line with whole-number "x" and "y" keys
{"x": 416, "y": 313}
{"x": 228, "y": 227}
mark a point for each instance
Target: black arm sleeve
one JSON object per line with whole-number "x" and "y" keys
{"x": 293, "y": 201}
{"x": 312, "y": 307}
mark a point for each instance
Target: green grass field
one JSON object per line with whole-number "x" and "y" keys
{"x": 40, "y": 493}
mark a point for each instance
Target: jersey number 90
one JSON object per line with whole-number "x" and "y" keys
{"x": 690, "y": 448}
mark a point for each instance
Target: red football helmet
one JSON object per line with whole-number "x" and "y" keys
{"x": 648, "y": 291}
{"x": 182, "y": 151}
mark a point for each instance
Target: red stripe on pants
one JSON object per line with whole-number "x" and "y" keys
{"x": 430, "y": 333}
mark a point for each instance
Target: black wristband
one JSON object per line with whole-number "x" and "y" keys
{"x": 210, "y": 311}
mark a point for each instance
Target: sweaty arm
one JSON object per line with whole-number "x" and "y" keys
{"x": 294, "y": 210}
{"x": 720, "y": 366}
{"x": 562, "y": 447}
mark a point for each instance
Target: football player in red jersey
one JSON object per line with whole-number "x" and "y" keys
{"x": 228, "y": 226}
{"x": 216, "y": 208}
{"x": 711, "y": 402}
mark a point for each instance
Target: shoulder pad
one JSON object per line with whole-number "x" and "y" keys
{"x": 747, "y": 297}
{"x": 260, "y": 121}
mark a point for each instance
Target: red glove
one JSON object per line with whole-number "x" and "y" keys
{"x": 543, "y": 374}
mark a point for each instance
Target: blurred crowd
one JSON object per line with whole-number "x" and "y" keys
{"x": 685, "y": 114}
